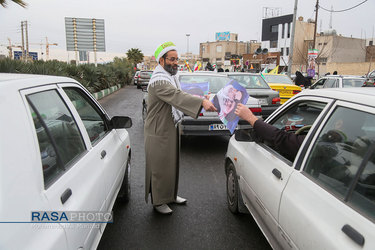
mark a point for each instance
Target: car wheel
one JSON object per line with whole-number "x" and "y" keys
{"x": 124, "y": 193}
{"x": 232, "y": 189}
{"x": 138, "y": 86}
{"x": 144, "y": 112}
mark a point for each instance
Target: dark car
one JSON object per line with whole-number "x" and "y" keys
{"x": 144, "y": 78}
{"x": 258, "y": 88}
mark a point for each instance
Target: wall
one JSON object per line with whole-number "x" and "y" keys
{"x": 350, "y": 68}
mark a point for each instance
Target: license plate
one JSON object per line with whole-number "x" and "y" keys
{"x": 263, "y": 101}
{"x": 217, "y": 127}
{"x": 285, "y": 92}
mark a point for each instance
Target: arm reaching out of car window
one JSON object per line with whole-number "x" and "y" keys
{"x": 285, "y": 143}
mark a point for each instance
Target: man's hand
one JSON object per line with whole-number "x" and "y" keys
{"x": 208, "y": 106}
{"x": 245, "y": 113}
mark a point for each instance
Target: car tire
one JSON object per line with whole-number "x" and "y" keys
{"x": 232, "y": 189}
{"x": 124, "y": 193}
{"x": 144, "y": 112}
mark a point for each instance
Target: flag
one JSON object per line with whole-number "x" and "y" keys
{"x": 197, "y": 66}
{"x": 265, "y": 71}
{"x": 188, "y": 66}
{"x": 275, "y": 70}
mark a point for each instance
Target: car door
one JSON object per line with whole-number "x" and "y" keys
{"x": 265, "y": 171}
{"x": 108, "y": 145}
{"x": 319, "y": 84}
{"x": 330, "y": 203}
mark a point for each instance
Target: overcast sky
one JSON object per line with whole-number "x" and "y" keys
{"x": 145, "y": 24}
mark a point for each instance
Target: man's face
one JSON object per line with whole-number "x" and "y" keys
{"x": 170, "y": 63}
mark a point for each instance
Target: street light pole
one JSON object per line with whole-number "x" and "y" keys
{"x": 187, "y": 39}
{"x": 290, "y": 61}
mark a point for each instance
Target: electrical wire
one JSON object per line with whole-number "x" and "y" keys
{"x": 343, "y": 9}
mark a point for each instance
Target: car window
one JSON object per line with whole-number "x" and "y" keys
{"x": 319, "y": 84}
{"x": 215, "y": 82}
{"x": 337, "y": 160}
{"x": 60, "y": 141}
{"x": 352, "y": 83}
{"x": 301, "y": 114}
{"x": 93, "y": 120}
{"x": 299, "y": 117}
{"x": 330, "y": 83}
{"x": 251, "y": 81}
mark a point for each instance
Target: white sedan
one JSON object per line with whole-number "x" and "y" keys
{"x": 324, "y": 197}
{"x": 63, "y": 163}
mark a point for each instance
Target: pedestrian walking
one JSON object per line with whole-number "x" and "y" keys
{"x": 166, "y": 105}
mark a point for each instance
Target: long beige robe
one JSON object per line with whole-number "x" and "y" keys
{"x": 162, "y": 139}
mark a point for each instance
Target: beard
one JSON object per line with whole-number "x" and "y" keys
{"x": 171, "y": 69}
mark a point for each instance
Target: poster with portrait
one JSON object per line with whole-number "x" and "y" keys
{"x": 226, "y": 101}
{"x": 312, "y": 55}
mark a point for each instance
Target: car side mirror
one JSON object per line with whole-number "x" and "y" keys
{"x": 121, "y": 122}
{"x": 243, "y": 135}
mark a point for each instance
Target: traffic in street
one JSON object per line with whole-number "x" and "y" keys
{"x": 205, "y": 222}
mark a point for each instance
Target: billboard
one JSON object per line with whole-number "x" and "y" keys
{"x": 222, "y": 36}
{"x": 17, "y": 55}
{"x": 84, "y": 34}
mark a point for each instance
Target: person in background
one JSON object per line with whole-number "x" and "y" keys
{"x": 334, "y": 72}
{"x": 166, "y": 105}
{"x": 300, "y": 80}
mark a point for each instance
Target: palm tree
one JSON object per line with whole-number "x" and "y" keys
{"x": 19, "y": 2}
{"x": 135, "y": 56}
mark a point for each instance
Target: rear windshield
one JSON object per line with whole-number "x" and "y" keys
{"x": 146, "y": 74}
{"x": 350, "y": 83}
{"x": 215, "y": 82}
{"x": 278, "y": 79}
{"x": 251, "y": 81}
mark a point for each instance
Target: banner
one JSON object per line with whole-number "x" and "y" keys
{"x": 311, "y": 58}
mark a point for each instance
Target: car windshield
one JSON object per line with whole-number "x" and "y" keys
{"x": 251, "y": 81}
{"x": 146, "y": 74}
{"x": 215, "y": 82}
{"x": 350, "y": 83}
{"x": 278, "y": 79}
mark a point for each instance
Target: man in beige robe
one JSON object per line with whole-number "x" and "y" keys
{"x": 166, "y": 105}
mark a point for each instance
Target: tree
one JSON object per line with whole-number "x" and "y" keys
{"x": 134, "y": 56}
{"x": 19, "y": 2}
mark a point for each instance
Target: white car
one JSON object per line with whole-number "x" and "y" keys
{"x": 324, "y": 197}
{"x": 339, "y": 81}
{"x": 60, "y": 155}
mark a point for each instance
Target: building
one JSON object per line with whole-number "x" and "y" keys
{"x": 276, "y": 38}
{"x": 333, "y": 48}
{"x": 226, "y": 52}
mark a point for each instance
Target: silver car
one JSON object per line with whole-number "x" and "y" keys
{"x": 339, "y": 81}
{"x": 208, "y": 123}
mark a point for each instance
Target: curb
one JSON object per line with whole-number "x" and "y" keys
{"x": 105, "y": 92}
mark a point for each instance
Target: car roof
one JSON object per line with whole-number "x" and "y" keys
{"x": 355, "y": 95}
{"x": 10, "y": 81}
{"x": 240, "y": 73}
{"x": 344, "y": 76}
{"x": 206, "y": 73}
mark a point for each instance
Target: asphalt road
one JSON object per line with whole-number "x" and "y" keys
{"x": 204, "y": 223}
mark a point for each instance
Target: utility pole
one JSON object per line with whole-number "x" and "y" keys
{"x": 187, "y": 51}
{"x": 290, "y": 61}
{"x": 27, "y": 42}
{"x": 23, "y": 42}
{"x": 316, "y": 22}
